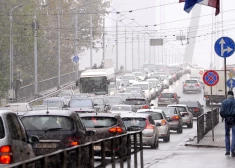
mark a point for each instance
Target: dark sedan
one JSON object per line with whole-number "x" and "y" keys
{"x": 194, "y": 107}
{"x": 105, "y": 125}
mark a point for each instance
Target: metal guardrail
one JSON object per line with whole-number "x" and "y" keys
{"x": 66, "y": 162}
{"x": 205, "y": 123}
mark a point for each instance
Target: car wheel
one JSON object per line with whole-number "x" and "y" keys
{"x": 167, "y": 139}
{"x": 190, "y": 125}
{"x": 155, "y": 144}
{"x": 180, "y": 130}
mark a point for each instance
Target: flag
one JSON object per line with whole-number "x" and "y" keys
{"x": 189, "y": 4}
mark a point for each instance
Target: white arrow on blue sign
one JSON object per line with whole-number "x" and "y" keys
{"x": 230, "y": 83}
{"x": 75, "y": 59}
{"x": 224, "y": 47}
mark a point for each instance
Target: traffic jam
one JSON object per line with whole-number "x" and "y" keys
{"x": 106, "y": 104}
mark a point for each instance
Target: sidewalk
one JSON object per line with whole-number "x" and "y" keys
{"x": 219, "y": 139}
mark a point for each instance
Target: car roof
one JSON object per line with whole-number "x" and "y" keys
{"x": 48, "y": 112}
{"x": 4, "y": 111}
{"x": 124, "y": 105}
{"x": 134, "y": 115}
{"x": 133, "y": 87}
{"x": 163, "y": 107}
{"x": 177, "y": 105}
{"x": 17, "y": 104}
{"x": 152, "y": 110}
{"x": 168, "y": 92}
{"x": 98, "y": 114}
{"x": 189, "y": 103}
{"x": 140, "y": 83}
{"x": 136, "y": 98}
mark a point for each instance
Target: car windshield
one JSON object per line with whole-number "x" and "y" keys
{"x": 99, "y": 122}
{"x": 167, "y": 95}
{"x": 65, "y": 93}
{"x": 134, "y": 122}
{"x": 44, "y": 123}
{"x": 133, "y": 89}
{"x": 191, "y": 81}
{"x": 120, "y": 108}
{"x": 113, "y": 100}
{"x": 2, "y": 131}
{"x": 98, "y": 101}
{"x": 128, "y": 77}
{"x": 155, "y": 115}
{"x": 80, "y": 103}
{"x": 142, "y": 86}
{"x": 135, "y": 102}
{"x": 52, "y": 103}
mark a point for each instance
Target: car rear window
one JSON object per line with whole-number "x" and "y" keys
{"x": 169, "y": 110}
{"x": 134, "y": 122}
{"x": 80, "y": 103}
{"x": 167, "y": 95}
{"x": 133, "y": 89}
{"x": 51, "y": 103}
{"x": 156, "y": 116}
{"x": 98, "y": 101}
{"x": 135, "y": 101}
{"x": 190, "y": 103}
{"x": 181, "y": 108}
{"x": 99, "y": 122}
{"x": 120, "y": 108}
{"x": 191, "y": 81}
{"x": 48, "y": 122}
{"x": 2, "y": 131}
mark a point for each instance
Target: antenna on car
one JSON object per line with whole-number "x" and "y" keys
{"x": 47, "y": 107}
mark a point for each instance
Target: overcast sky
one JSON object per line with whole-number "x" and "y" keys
{"x": 147, "y": 13}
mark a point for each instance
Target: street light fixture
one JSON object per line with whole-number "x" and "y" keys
{"x": 11, "y": 43}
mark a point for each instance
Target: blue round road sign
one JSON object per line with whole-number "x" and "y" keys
{"x": 211, "y": 78}
{"x": 230, "y": 83}
{"x": 75, "y": 59}
{"x": 224, "y": 47}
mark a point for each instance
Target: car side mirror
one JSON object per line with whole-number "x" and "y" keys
{"x": 65, "y": 106}
{"x": 158, "y": 124}
{"x": 182, "y": 115}
{"x": 90, "y": 132}
{"x": 33, "y": 139}
{"x": 202, "y": 105}
{"x": 95, "y": 104}
{"x": 151, "y": 104}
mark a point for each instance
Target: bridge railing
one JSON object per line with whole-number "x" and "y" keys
{"x": 84, "y": 155}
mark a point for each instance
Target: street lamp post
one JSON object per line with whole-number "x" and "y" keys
{"x": 11, "y": 43}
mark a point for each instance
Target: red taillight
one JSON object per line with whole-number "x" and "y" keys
{"x": 148, "y": 125}
{"x": 145, "y": 107}
{"x": 163, "y": 122}
{"x": 197, "y": 85}
{"x": 5, "y": 155}
{"x": 73, "y": 141}
{"x": 116, "y": 130}
{"x": 185, "y": 84}
{"x": 196, "y": 109}
{"x": 175, "y": 117}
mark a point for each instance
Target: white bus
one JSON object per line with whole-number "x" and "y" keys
{"x": 98, "y": 81}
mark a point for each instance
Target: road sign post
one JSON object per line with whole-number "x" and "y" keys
{"x": 211, "y": 78}
{"x": 224, "y": 47}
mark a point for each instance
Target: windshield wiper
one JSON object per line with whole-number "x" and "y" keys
{"x": 53, "y": 129}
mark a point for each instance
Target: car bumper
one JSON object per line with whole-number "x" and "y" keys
{"x": 174, "y": 126}
{"x": 192, "y": 89}
{"x": 186, "y": 121}
{"x": 162, "y": 131}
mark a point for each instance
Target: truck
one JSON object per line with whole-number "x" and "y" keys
{"x": 218, "y": 91}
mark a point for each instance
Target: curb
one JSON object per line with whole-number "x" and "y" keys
{"x": 203, "y": 146}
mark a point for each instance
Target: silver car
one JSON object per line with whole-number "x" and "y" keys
{"x": 192, "y": 85}
{"x": 145, "y": 123}
{"x": 186, "y": 115}
{"x": 122, "y": 108}
{"x": 14, "y": 143}
{"x": 159, "y": 117}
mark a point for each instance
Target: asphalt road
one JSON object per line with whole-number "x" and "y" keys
{"x": 175, "y": 154}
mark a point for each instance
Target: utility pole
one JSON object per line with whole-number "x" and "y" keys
{"x": 132, "y": 59}
{"x": 35, "y": 54}
{"x": 116, "y": 44}
{"x": 58, "y": 32}
{"x": 104, "y": 38}
{"x": 91, "y": 36}
{"x": 154, "y": 56}
{"x": 138, "y": 51}
{"x": 76, "y": 44}
{"x": 149, "y": 50}
{"x": 125, "y": 49}
{"x": 158, "y": 55}
{"x": 144, "y": 49}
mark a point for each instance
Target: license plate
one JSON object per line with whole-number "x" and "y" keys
{"x": 46, "y": 145}
{"x": 97, "y": 147}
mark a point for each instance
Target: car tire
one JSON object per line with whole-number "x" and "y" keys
{"x": 180, "y": 130}
{"x": 155, "y": 144}
{"x": 167, "y": 139}
{"x": 190, "y": 125}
